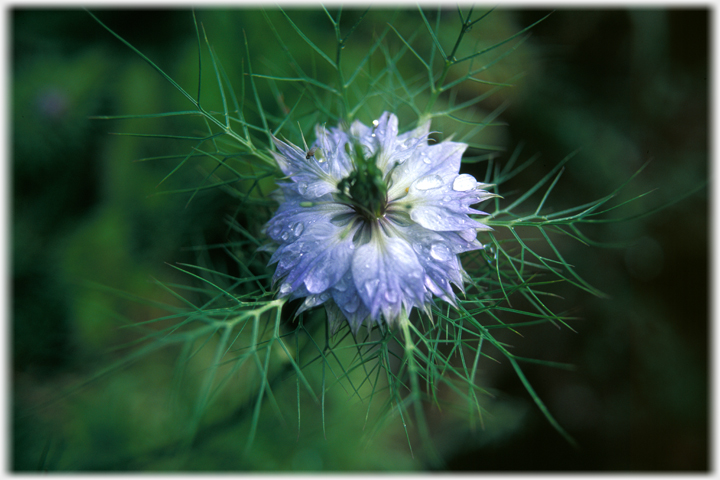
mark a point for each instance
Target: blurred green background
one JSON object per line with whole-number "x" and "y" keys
{"x": 625, "y": 86}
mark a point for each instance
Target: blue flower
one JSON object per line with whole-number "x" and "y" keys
{"x": 371, "y": 222}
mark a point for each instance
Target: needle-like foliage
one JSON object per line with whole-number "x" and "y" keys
{"x": 415, "y": 63}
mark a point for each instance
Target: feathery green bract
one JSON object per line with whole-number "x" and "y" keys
{"x": 412, "y": 62}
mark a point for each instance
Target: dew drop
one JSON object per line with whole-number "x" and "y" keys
{"x": 285, "y": 235}
{"x": 390, "y": 295}
{"x": 429, "y": 182}
{"x": 425, "y": 158}
{"x": 440, "y": 251}
{"x": 371, "y": 286}
{"x": 376, "y": 123}
{"x": 285, "y": 288}
{"x": 312, "y": 301}
{"x": 302, "y": 188}
{"x": 298, "y": 229}
{"x": 352, "y": 305}
{"x": 464, "y": 182}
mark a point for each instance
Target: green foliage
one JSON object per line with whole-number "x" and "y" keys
{"x": 242, "y": 357}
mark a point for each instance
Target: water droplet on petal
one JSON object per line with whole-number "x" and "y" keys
{"x": 298, "y": 229}
{"x": 464, "y": 182}
{"x": 376, "y": 123}
{"x": 352, "y": 305}
{"x": 440, "y": 251}
{"x": 285, "y": 288}
{"x": 371, "y": 286}
{"x": 446, "y": 198}
{"x": 390, "y": 295}
{"x": 429, "y": 182}
{"x": 425, "y": 158}
{"x": 285, "y": 235}
{"x": 302, "y": 188}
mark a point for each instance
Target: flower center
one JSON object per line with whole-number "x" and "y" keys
{"x": 364, "y": 189}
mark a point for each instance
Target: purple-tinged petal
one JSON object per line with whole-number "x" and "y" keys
{"x": 348, "y": 300}
{"x": 440, "y": 219}
{"x": 388, "y": 277}
{"x": 386, "y": 134}
{"x": 316, "y": 260}
{"x": 312, "y": 178}
{"x": 442, "y": 160}
{"x": 331, "y": 144}
{"x": 291, "y": 220}
{"x": 437, "y": 253}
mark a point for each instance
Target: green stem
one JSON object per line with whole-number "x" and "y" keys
{"x": 341, "y": 78}
{"x": 433, "y": 456}
{"x": 436, "y": 90}
{"x": 450, "y": 60}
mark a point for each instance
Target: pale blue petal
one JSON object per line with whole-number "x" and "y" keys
{"x": 437, "y": 253}
{"x": 332, "y": 150}
{"x": 347, "y": 299}
{"x": 316, "y": 260}
{"x": 435, "y": 205}
{"x": 388, "y": 277}
{"x": 291, "y": 220}
{"x": 441, "y": 219}
{"x": 330, "y": 265}
{"x": 442, "y": 160}
{"x": 312, "y": 178}
{"x": 386, "y": 134}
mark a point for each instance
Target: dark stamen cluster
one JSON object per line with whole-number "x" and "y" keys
{"x": 364, "y": 189}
